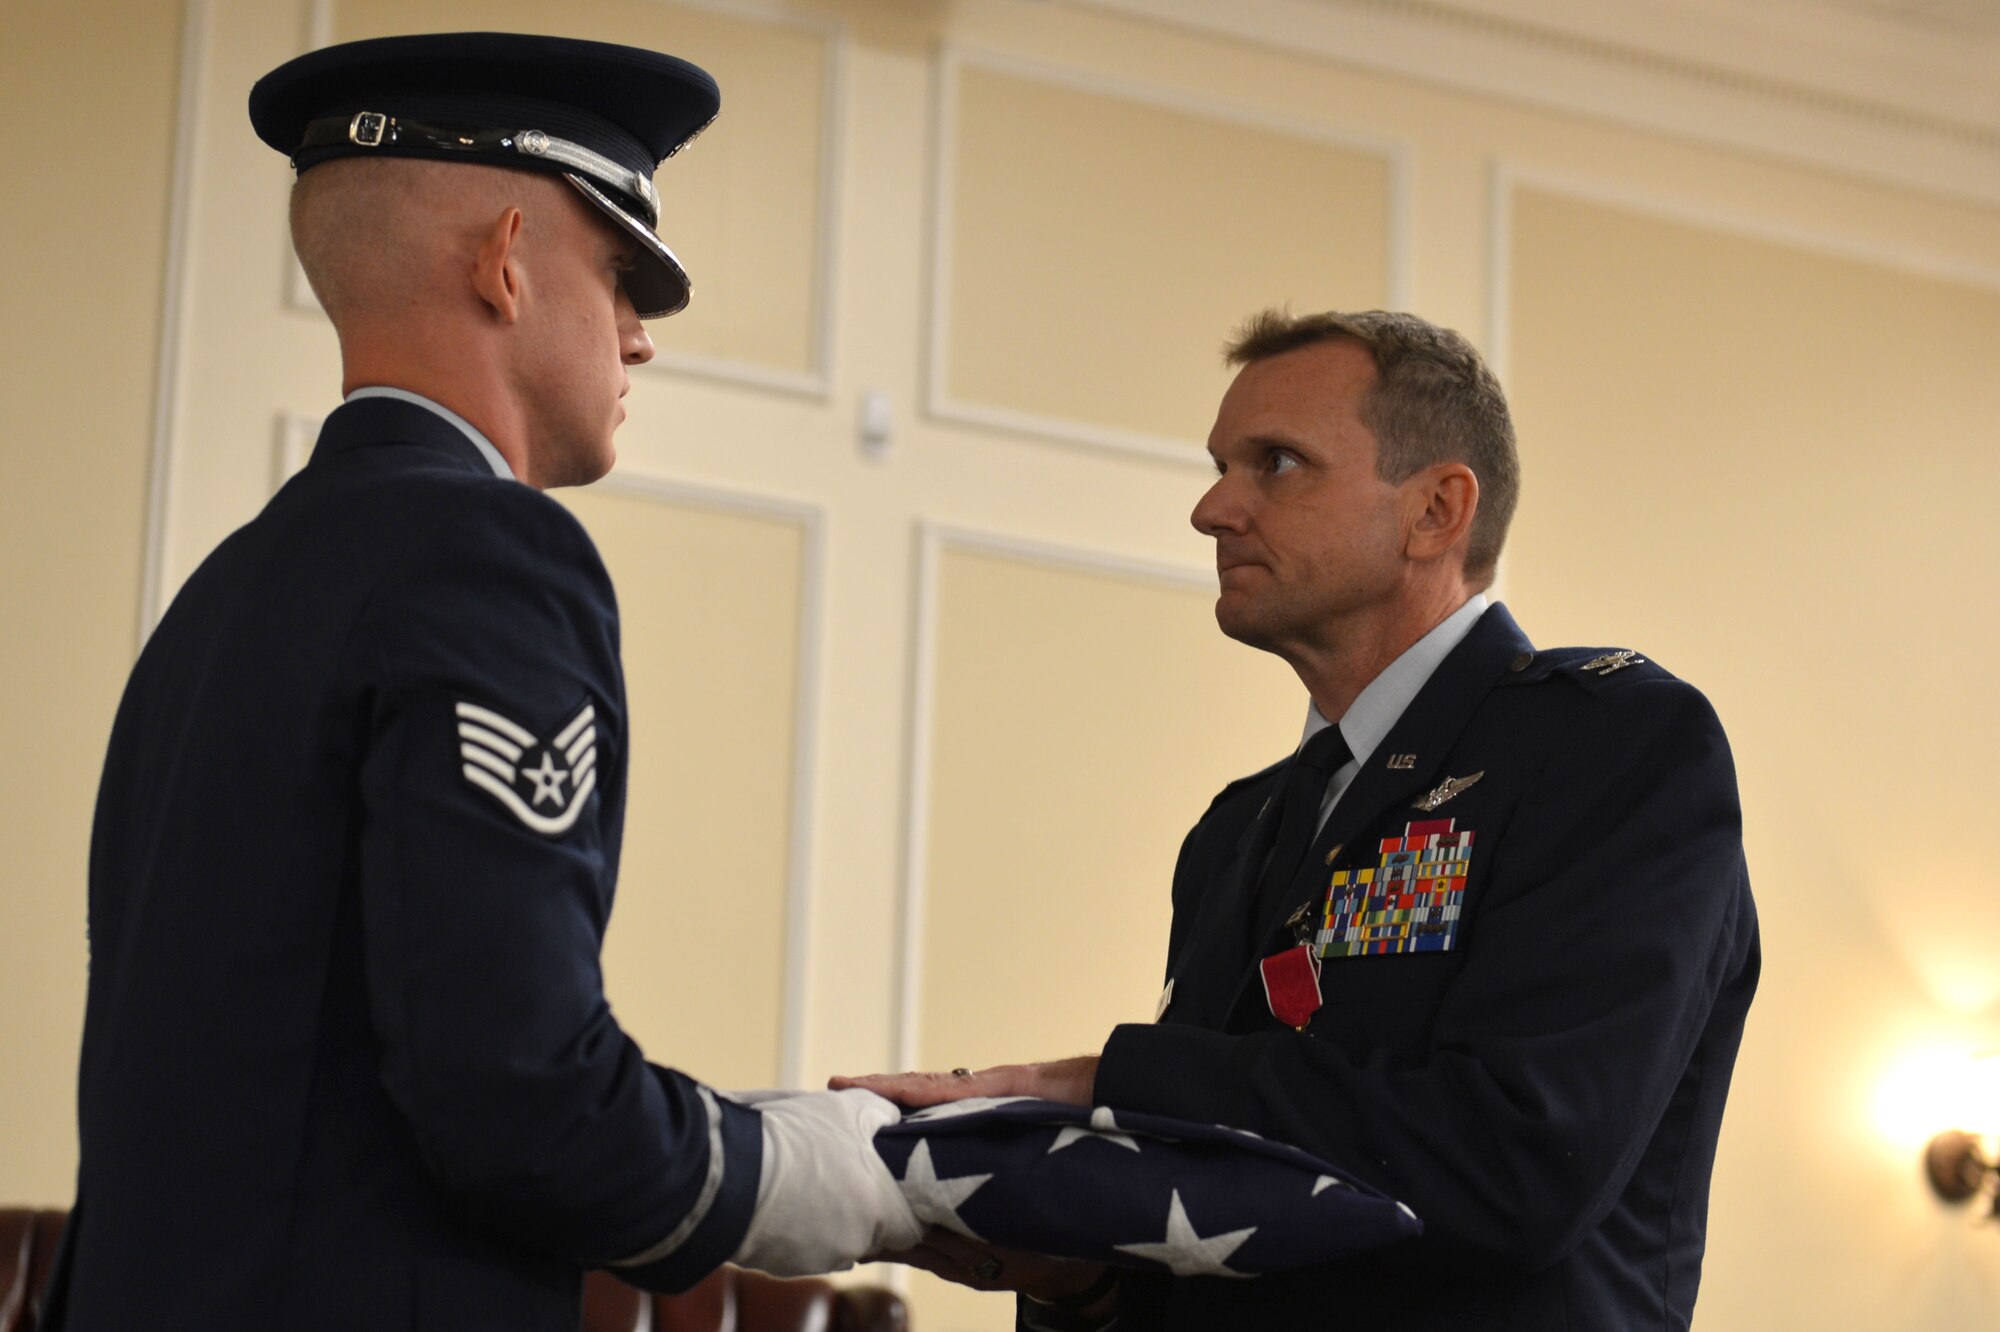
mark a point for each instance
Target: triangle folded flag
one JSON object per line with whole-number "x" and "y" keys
{"x": 1137, "y": 1190}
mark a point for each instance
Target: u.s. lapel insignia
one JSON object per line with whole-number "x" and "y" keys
{"x": 1402, "y": 762}
{"x": 1612, "y": 661}
{"x": 546, "y": 796}
{"x": 1446, "y": 790}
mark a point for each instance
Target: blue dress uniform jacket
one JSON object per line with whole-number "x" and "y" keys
{"x": 1546, "y": 1092}
{"x": 347, "y": 1059}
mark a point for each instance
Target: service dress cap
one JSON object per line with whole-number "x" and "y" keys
{"x": 603, "y": 117}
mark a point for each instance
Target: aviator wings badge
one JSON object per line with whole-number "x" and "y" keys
{"x": 1448, "y": 789}
{"x": 546, "y": 796}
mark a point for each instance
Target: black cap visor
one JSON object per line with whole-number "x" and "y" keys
{"x": 657, "y": 284}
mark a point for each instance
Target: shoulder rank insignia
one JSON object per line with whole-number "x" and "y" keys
{"x": 497, "y": 753}
{"x": 1612, "y": 661}
{"x": 1446, "y": 790}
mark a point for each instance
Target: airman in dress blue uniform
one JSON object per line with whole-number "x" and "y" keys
{"x": 347, "y": 1058}
{"x": 1486, "y": 941}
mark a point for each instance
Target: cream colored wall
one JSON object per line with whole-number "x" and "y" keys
{"x": 1065, "y": 729}
{"x": 1052, "y": 769}
{"x": 88, "y": 91}
{"x": 1031, "y": 279}
{"x": 697, "y": 968}
{"x": 1774, "y": 469}
{"x": 931, "y": 664}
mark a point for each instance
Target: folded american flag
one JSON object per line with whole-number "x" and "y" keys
{"x": 1137, "y": 1190}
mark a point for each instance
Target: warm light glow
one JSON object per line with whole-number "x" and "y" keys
{"x": 1961, "y": 974}
{"x": 1932, "y": 1090}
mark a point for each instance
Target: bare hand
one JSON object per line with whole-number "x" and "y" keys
{"x": 1067, "y": 1080}
{"x": 984, "y": 1267}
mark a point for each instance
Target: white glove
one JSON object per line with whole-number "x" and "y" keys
{"x": 825, "y": 1199}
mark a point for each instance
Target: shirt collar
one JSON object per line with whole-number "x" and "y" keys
{"x": 471, "y": 432}
{"x": 1376, "y": 709}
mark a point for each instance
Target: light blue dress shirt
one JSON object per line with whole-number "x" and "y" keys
{"x": 1378, "y": 707}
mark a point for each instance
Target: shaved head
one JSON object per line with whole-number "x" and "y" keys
{"x": 497, "y": 293}
{"x": 379, "y": 235}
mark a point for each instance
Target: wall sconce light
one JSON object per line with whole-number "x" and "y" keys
{"x": 1960, "y": 1165}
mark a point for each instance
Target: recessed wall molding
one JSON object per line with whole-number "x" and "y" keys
{"x": 1507, "y": 177}
{"x": 952, "y": 58}
{"x": 817, "y": 381}
{"x": 807, "y": 705}
{"x": 174, "y": 319}
{"x": 1807, "y": 80}
{"x": 933, "y": 541}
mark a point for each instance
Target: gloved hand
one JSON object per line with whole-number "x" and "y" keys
{"x": 825, "y": 1199}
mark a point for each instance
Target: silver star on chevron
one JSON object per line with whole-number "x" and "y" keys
{"x": 936, "y": 1201}
{"x": 548, "y": 779}
{"x": 1188, "y": 1254}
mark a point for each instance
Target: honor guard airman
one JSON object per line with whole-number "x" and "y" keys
{"x": 347, "y": 1057}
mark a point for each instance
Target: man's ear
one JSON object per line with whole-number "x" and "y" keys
{"x": 496, "y": 270}
{"x": 1441, "y": 502}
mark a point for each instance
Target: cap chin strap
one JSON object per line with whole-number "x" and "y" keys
{"x": 374, "y": 129}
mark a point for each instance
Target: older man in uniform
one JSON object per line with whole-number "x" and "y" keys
{"x": 347, "y": 1058}
{"x": 1486, "y": 939}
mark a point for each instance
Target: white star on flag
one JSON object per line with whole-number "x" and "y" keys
{"x": 1188, "y": 1254}
{"x": 1258, "y": 1206}
{"x": 936, "y": 1201}
{"x": 1103, "y": 1127}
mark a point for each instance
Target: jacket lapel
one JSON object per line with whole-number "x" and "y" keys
{"x": 1428, "y": 729}
{"x": 1205, "y": 979}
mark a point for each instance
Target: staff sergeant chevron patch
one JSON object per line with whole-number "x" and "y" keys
{"x": 497, "y": 754}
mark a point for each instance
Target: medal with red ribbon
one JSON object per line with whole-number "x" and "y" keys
{"x": 1291, "y": 985}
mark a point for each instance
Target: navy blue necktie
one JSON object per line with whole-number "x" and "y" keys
{"x": 1298, "y": 823}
